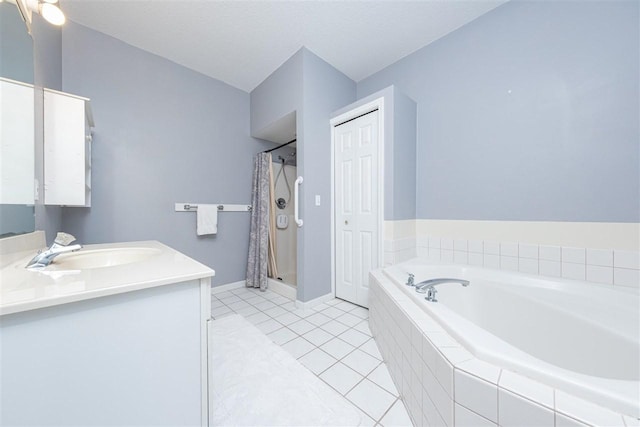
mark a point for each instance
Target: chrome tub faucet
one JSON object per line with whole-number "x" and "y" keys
{"x": 60, "y": 246}
{"x": 428, "y": 287}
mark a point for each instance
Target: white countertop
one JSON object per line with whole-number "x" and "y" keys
{"x": 22, "y": 289}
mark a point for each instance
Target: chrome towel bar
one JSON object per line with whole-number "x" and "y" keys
{"x": 192, "y": 207}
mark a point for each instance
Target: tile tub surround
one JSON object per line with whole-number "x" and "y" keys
{"x": 399, "y": 250}
{"x": 331, "y": 339}
{"x": 605, "y": 253}
{"x": 604, "y": 266}
{"x": 443, "y": 384}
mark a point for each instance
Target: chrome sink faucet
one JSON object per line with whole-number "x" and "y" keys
{"x": 60, "y": 246}
{"x": 428, "y": 287}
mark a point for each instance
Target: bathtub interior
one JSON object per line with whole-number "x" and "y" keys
{"x": 572, "y": 335}
{"x": 549, "y": 329}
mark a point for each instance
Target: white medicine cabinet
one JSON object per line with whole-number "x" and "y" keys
{"x": 68, "y": 121}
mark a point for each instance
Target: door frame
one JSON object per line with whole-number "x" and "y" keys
{"x": 376, "y": 104}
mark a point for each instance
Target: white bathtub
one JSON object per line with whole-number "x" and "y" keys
{"x": 574, "y": 336}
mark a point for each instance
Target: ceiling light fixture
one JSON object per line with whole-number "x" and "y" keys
{"x": 51, "y": 12}
{"x": 49, "y": 9}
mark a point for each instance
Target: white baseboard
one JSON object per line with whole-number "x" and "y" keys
{"x": 281, "y": 288}
{"x": 315, "y": 301}
{"x": 276, "y": 286}
{"x": 228, "y": 287}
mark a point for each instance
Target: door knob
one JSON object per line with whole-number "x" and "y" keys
{"x": 346, "y": 222}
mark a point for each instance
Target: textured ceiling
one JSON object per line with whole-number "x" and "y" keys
{"x": 242, "y": 42}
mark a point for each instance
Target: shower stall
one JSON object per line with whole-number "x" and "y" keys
{"x": 284, "y": 170}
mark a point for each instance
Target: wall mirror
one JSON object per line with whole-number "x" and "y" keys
{"x": 17, "y": 140}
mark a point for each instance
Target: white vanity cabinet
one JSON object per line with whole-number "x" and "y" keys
{"x": 67, "y": 149}
{"x": 124, "y": 345}
{"x": 16, "y": 142}
{"x": 134, "y": 359}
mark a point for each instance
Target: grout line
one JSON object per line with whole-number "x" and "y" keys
{"x": 388, "y": 409}
{"x": 624, "y": 421}
{"x": 555, "y": 410}
{"x": 356, "y": 384}
{"x": 359, "y": 382}
{"x": 362, "y": 410}
{"x": 474, "y": 412}
{"x": 498, "y": 400}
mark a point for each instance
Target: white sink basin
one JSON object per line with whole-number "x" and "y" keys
{"x": 100, "y": 258}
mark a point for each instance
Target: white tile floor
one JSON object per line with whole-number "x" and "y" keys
{"x": 332, "y": 340}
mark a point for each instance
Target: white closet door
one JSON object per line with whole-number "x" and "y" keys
{"x": 356, "y": 206}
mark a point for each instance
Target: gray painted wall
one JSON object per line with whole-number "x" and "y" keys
{"x": 313, "y": 89}
{"x": 404, "y": 156}
{"x": 399, "y": 151}
{"x": 325, "y": 90}
{"x": 47, "y": 45}
{"x": 16, "y": 46}
{"x": 278, "y": 95}
{"x": 528, "y": 113}
{"x": 164, "y": 134}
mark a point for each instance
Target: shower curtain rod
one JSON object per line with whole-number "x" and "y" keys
{"x": 280, "y": 146}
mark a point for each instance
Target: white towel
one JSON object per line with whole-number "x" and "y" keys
{"x": 207, "y": 219}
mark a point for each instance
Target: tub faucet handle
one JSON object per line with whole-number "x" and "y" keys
{"x": 431, "y": 294}
{"x": 410, "y": 280}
